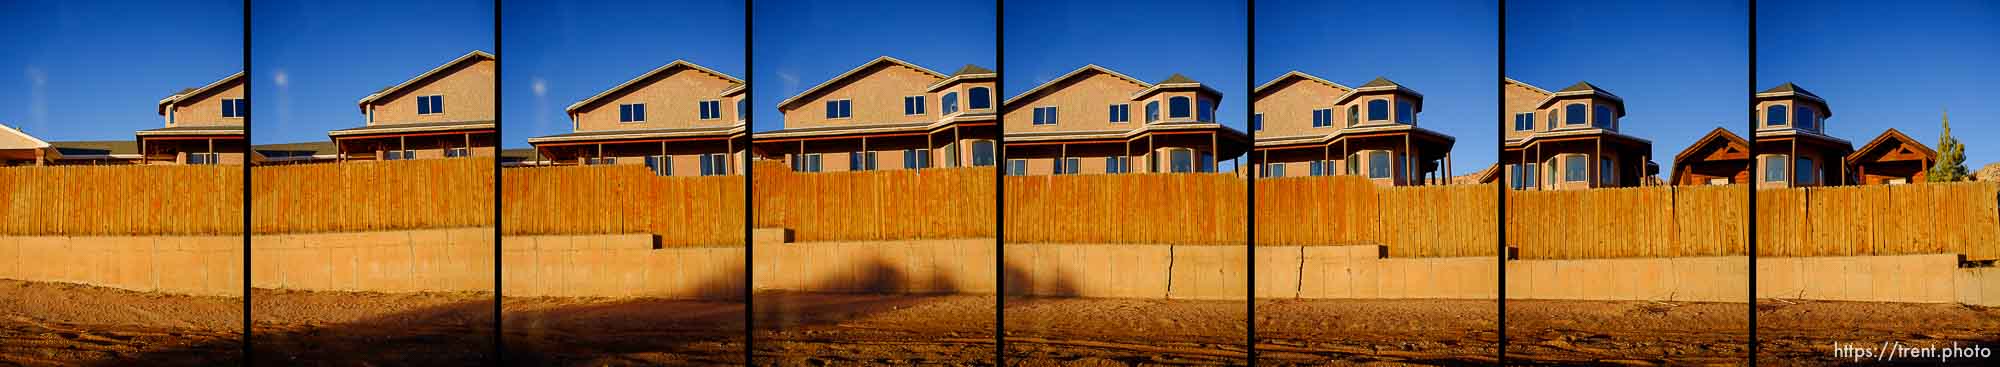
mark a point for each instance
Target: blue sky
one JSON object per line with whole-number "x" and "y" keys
{"x": 564, "y": 52}
{"x": 1445, "y": 49}
{"x": 77, "y": 70}
{"x": 800, "y": 43}
{"x": 314, "y": 60}
{"x": 1895, "y": 64}
{"x": 1681, "y": 66}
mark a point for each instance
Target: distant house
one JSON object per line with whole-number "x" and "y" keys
{"x": 887, "y": 114}
{"x": 522, "y": 157}
{"x": 17, "y": 148}
{"x": 1891, "y": 159}
{"x": 294, "y": 153}
{"x": 446, "y": 112}
{"x": 1307, "y": 126}
{"x": 203, "y": 126}
{"x": 1719, "y": 158}
{"x": 1792, "y": 146}
{"x": 680, "y": 119}
{"x": 1568, "y": 139}
{"x": 1095, "y": 120}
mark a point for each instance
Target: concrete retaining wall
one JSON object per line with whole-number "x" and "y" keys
{"x": 1696, "y": 279}
{"x": 1978, "y": 286}
{"x": 429, "y": 260}
{"x": 198, "y": 265}
{"x": 926, "y": 266}
{"x": 618, "y": 265}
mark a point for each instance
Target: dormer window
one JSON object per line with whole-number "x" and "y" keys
{"x": 1775, "y": 115}
{"x": 1353, "y": 115}
{"x": 840, "y": 109}
{"x": 979, "y": 98}
{"x": 1152, "y": 111}
{"x": 1405, "y": 112}
{"x": 1378, "y": 110}
{"x": 1806, "y": 119}
{"x": 742, "y": 109}
{"x": 636, "y": 112}
{"x": 1552, "y": 120}
{"x": 1575, "y": 114}
{"x": 231, "y": 108}
{"x": 433, "y": 104}
{"x": 1177, "y": 107}
{"x": 1603, "y": 118}
{"x": 1205, "y": 111}
{"x": 948, "y": 104}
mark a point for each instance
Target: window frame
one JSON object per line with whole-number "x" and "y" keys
{"x": 1783, "y": 167}
{"x": 1017, "y": 167}
{"x": 661, "y": 165}
{"x": 989, "y": 156}
{"x": 1204, "y": 110}
{"x": 1257, "y": 122}
{"x": 461, "y": 152}
{"x": 1152, "y": 111}
{"x": 947, "y": 103}
{"x": 712, "y": 106}
{"x": 232, "y": 108}
{"x": 1576, "y": 167}
{"x": 1804, "y": 171}
{"x": 1386, "y": 164}
{"x": 1603, "y": 117}
{"x": 1576, "y": 114}
{"x": 1805, "y": 118}
{"x": 1183, "y": 104}
{"x": 1406, "y": 112}
{"x": 433, "y": 103}
{"x": 978, "y": 98}
{"x": 1779, "y": 112}
{"x": 1322, "y": 118}
{"x": 1382, "y": 109}
{"x": 913, "y": 105}
{"x": 840, "y": 109}
{"x": 1042, "y": 118}
{"x": 1353, "y": 115}
{"x": 1180, "y": 160}
{"x": 630, "y": 113}
{"x": 1120, "y": 113}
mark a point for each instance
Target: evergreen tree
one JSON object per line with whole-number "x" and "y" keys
{"x": 1950, "y": 165}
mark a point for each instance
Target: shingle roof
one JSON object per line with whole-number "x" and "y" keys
{"x": 1581, "y": 86}
{"x": 296, "y": 149}
{"x": 96, "y": 147}
{"x": 1177, "y": 78}
{"x": 971, "y": 69}
{"x": 441, "y": 126}
{"x": 1380, "y": 82}
{"x": 237, "y": 128}
{"x": 1789, "y": 87}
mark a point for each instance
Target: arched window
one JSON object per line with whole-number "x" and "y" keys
{"x": 1152, "y": 111}
{"x": 1574, "y": 114}
{"x": 1405, "y": 112}
{"x": 1807, "y": 117}
{"x": 1378, "y": 110}
{"x": 949, "y": 103}
{"x": 1603, "y": 118}
{"x": 1353, "y": 115}
{"x": 1177, "y": 107}
{"x": 1205, "y": 111}
{"x": 979, "y": 98}
{"x": 1775, "y": 115}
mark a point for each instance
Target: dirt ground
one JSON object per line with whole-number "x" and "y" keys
{"x": 1340, "y": 332}
{"x": 364, "y": 328}
{"x": 1627, "y": 333}
{"x": 61, "y": 324}
{"x": 615, "y": 332}
{"x": 1804, "y": 332}
{"x": 808, "y": 329}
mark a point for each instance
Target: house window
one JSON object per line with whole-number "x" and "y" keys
{"x": 1405, "y": 112}
{"x": 636, "y": 112}
{"x": 1316, "y": 168}
{"x": 1257, "y": 122}
{"x": 457, "y": 152}
{"x": 742, "y": 109}
{"x": 1524, "y": 121}
{"x": 661, "y": 165}
{"x": 1118, "y": 164}
{"x": 840, "y": 109}
{"x": 1576, "y": 168}
{"x": 1182, "y": 160}
{"x": 1806, "y": 119}
{"x": 914, "y": 105}
{"x": 808, "y": 162}
{"x": 979, "y": 98}
{"x": 947, "y": 104}
{"x": 714, "y": 164}
{"x": 1274, "y": 170}
{"x": 1323, "y": 117}
{"x": 1575, "y": 114}
{"x": 1017, "y": 167}
{"x": 1353, "y": 164}
{"x": 1603, "y": 118}
{"x": 1177, "y": 107}
{"x": 951, "y": 154}
{"x": 1607, "y": 173}
{"x": 1152, "y": 111}
{"x": 599, "y": 161}
{"x": 710, "y": 110}
{"x": 1121, "y": 113}
{"x": 170, "y": 115}
{"x": 1804, "y": 174}
{"x": 1532, "y": 175}
{"x": 1205, "y": 111}
{"x": 1045, "y": 115}
{"x": 1775, "y": 115}
{"x": 1067, "y": 165}
{"x": 982, "y": 153}
{"x": 231, "y": 108}
{"x": 1552, "y": 120}
{"x": 1774, "y": 168}
{"x": 1378, "y": 164}
{"x": 397, "y": 155}
{"x": 430, "y": 104}
{"x": 861, "y": 161}
{"x": 202, "y": 158}
{"x": 1204, "y": 162}
{"x": 1353, "y": 115}
{"x": 916, "y": 158}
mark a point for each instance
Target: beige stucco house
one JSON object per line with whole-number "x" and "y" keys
{"x": 887, "y": 114}
{"x": 203, "y": 126}
{"x": 1568, "y": 139}
{"x": 1308, "y": 126}
{"x": 680, "y": 119}
{"x": 1095, "y": 120}
{"x": 445, "y": 112}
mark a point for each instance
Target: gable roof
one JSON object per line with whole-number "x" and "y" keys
{"x": 1378, "y": 85}
{"x": 1072, "y": 74}
{"x": 852, "y": 72}
{"x": 1719, "y": 134}
{"x": 470, "y": 56}
{"x": 1175, "y": 81}
{"x": 1295, "y": 74}
{"x": 1530, "y": 86}
{"x": 1887, "y": 135}
{"x": 33, "y": 142}
{"x": 676, "y": 64}
{"x": 968, "y": 72}
{"x": 97, "y": 147}
{"x": 190, "y": 92}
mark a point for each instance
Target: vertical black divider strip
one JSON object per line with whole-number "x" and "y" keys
{"x": 1750, "y": 89}
{"x": 749, "y": 205}
{"x": 1500, "y": 189}
{"x": 499, "y": 347}
{"x": 1000, "y": 185}
{"x": 248, "y": 130}
{"x": 1250, "y": 190}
